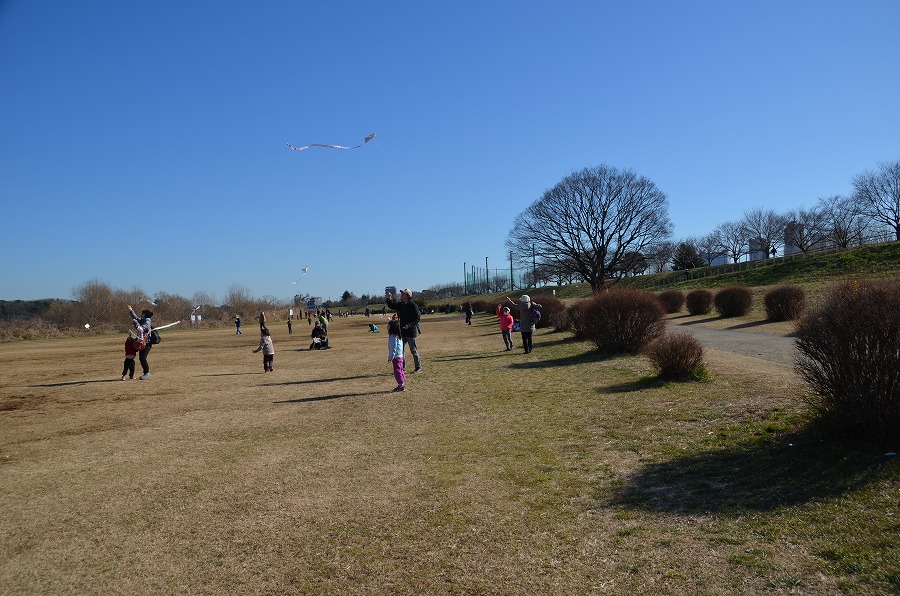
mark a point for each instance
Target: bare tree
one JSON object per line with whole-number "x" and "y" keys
{"x": 805, "y": 228}
{"x": 96, "y": 302}
{"x": 709, "y": 247}
{"x": 239, "y": 299}
{"x": 732, "y": 240}
{"x": 845, "y": 226}
{"x": 878, "y": 195}
{"x": 590, "y": 220}
{"x": 659, "y": 255}
{"x": 765, "y": 227}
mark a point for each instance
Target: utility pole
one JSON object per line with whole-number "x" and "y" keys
{"x": 465, "y": 279}
{"x": 487, "y": 276}
{"x": 533, "y": 267}
{"x": 512, "y": 286}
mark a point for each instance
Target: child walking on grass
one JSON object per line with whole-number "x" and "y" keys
{"x": 395, "y": 354}
{"x": 268, "y": 349}
{"x": 506, "y": 324}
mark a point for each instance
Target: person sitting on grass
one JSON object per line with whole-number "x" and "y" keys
{"x": 319, "y": 337}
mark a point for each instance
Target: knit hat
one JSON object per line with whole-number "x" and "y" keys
{"x": 524, "y": 298}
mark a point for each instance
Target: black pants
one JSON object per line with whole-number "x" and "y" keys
{"x": 526, "y": 341}
{"x": 143, "y": 356}
{"x": 128, "y": 368}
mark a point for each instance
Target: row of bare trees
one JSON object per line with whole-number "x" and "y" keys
{"x": 97, "y": 304}
{"x": 602, "y": 223}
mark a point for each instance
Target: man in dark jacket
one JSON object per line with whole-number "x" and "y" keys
{"x": 408, "y": 313}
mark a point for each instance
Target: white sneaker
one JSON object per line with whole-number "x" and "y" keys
{"x": 144, "y": 377}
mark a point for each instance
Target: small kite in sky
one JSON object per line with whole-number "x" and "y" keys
{"x": 302, "y": 273}
{"x": 365, "y": 140}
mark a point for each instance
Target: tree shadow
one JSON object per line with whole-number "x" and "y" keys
{"x": 755, "y": 476}
{"x": 69, "y": 383}
{"x": 304, "y": 400}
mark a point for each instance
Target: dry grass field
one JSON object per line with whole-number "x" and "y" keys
{"x": 555, "y": 472}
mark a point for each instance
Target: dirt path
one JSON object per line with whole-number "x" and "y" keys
{"x": 756, "y": 344}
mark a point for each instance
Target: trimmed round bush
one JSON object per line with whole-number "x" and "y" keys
{"x": 785, "y": 303}
{"x": 621, "y": 320}
{"x": 849, "y": 354}
{"x": 699, "y": 302}
{"x": 553, "y": 312}
{"x": 677, "y": 356}
{"x": 734, "y": 301}
{"x": 671, "y": 300}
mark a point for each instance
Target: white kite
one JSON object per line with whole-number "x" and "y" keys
{"x": 302, "y": 273}
{"x": 365, "y": 140}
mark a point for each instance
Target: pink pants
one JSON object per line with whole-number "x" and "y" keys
{"x": 399, "y": 373}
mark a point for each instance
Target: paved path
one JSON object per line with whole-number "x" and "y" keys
{"x": 775, "y": 348}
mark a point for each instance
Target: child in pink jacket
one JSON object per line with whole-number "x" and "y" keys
{"x": 506, "y": 325}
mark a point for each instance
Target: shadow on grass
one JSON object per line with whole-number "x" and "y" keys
{"x": 68, "y": 383}
{"x": 304, "y": 400}
{"x": 478, "y": 356}
{"x": 760, "y": 476}
{"x": 653, "y": 382}
{"x": 567, "y": 361}
{"x": 331, "y": 380}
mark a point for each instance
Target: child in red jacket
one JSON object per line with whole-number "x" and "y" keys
{"x": 506, "y": 325}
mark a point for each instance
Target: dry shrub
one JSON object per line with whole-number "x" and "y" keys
{"x": 553, "y": 312}
{"x": 35, "y": 329}
{"x": 699, "y": 302}
{"x": 575, "y": 315}
{"x": 620, "y": 321}
{"x": 785, "y": 303}
{"x": 677, "y": 356}
{"x": 849, "y": 353}
{"x": 483, "y": 306}
{"x": 671, "y": 300}
{"x": 734, "y": 301}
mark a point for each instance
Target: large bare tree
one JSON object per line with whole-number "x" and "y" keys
{"x": 878, "y": 195}
{"x": 805, "y": 228}
{"x": 845, "y": 226}
{"x": 590, "y": 221}
{"x": 732, "y": 239}
{"x": 766, "y": 227}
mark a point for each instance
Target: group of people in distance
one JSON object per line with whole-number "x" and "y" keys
{"x": 403, "y": 329}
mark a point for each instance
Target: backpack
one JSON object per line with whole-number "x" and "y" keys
{"x": 535, "y": 315}
{"x": 154, "y": 337}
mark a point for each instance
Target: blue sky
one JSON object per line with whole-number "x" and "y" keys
{"x": 173, "y": 118}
